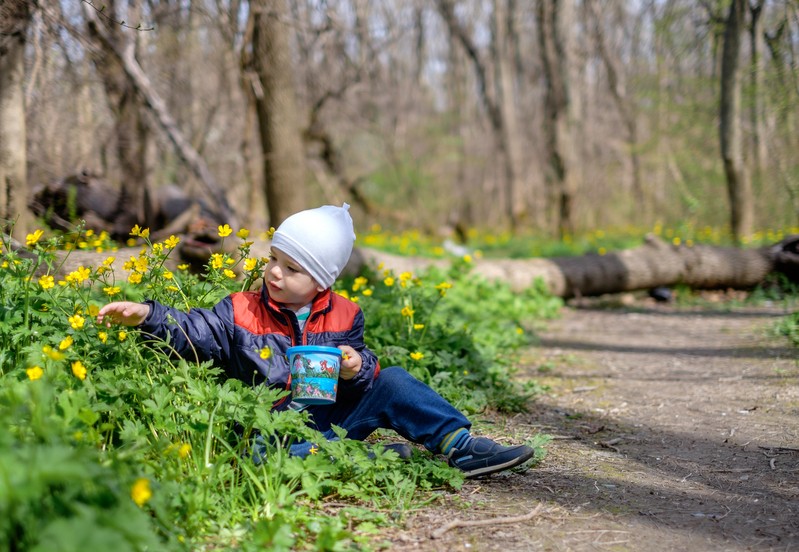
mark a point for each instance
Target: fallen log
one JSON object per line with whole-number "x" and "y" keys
{"x": 653, "y": 264}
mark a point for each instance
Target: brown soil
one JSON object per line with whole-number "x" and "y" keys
{"x": 672, "y": 429}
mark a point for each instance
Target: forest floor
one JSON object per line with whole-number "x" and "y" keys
{"x": 672, "y": 429}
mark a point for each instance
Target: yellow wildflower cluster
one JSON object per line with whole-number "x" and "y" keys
{"x": 78, "y": 277}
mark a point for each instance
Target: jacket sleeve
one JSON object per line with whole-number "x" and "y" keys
{"x": 200, "y": 334}
{"x": 362, "y": 381}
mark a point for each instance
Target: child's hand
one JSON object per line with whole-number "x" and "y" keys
{"x": 351, "y": 362}
{"x": 123, "y": 312}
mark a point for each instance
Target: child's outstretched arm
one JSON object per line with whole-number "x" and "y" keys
{"x": 126, "y": 313}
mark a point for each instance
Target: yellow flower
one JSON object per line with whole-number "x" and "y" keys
{"x": 31, "y": 239}
{"x": 344, "y": 293}
{"x": 250, "y": 264}
{"x": 217, "y": 261}
{"x": 367, "y": 292}
{"x": 467, "y": 258}
{"x": 76, "y": 321}
{"x": 407, "y": 311}
{"x": 418, "y": 326}
{"x": 158, "y": 248}
{"x": 313, "y": 450}
{"x": 109, "y": 261}
{"x": 265, "y": 353}
{"x": 417, "y": 355}
{"x": 171, "y": 242}
{"x": 93, "y": 310}
{"x": 103, "y": 336}
{"x": 443, "y": 287}
{"x": 123, "y": 335}
{"x": 230, "y": 274}
{"x": 184, "y": 450}
{"x": 52, "y": 353}
{"x": 112, "y": 290}
{"x": 270, "y": 232}
{"x": 134, "y": 278}
{"x": 79, "y": 370}
{"x": 34, "y": 373}
{"x": 135, "y": 231}
{"x": 224, "y": 230}
{"x": 359, "y": 282}
{"x": 389, "y": 281}
{"x": 141, "y": 264}
{"x": 243, "y": 233}
{"x": 168, "y": 275}
{"x": 47, "y": 281}
{"x": 184, "y": 266}
{"x": 141, "y": 492}
{"x": 66, "y": 343}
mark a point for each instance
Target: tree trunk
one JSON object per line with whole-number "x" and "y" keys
{"x": 15, "y": 16}
{"x": 757, "y": 104}
{"x": 655, "y": 263}
{"x": 130, "y": 130}
{"x": 503, "y": 52}
{"x": 739, "y": 187}
{"x": 281, "y": 145}
{"x": 557, "y": 134}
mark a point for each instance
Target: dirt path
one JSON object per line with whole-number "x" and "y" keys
{"x": 673, "y": 430}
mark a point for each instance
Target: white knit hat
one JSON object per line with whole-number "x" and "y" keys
{"x": 320, "y": 240}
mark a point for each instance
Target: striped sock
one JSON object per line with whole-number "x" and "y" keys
{"x": 458, "y": 439}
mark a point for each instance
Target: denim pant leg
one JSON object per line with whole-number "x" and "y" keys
{"x": 396, "y": 401}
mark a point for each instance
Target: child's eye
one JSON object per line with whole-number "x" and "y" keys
{"x": 292, "y": 269}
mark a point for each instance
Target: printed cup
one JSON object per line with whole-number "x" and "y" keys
{"x": 314, "y": 373}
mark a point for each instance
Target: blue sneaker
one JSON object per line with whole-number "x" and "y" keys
{"x": 482, "y": 456}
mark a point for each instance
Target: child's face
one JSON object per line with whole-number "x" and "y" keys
{"x": 287, "y": 282}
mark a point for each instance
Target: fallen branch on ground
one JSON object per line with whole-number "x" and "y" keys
{"x": 438, "y": 533}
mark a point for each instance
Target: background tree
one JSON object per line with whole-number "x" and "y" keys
{"x": 739, "y": 185}
{"x": 554, "y": 20}
{"x": 15, "y": 17}
{"x": 281, "y": 147}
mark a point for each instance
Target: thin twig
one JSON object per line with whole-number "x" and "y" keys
{"x": 438, "y": 533}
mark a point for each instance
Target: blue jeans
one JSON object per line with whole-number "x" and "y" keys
{"x": 396, "y": 401}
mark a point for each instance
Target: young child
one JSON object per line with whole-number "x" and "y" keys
{"x": 297, "y": 307}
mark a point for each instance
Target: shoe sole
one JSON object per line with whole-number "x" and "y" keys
{"x": 487, "y": 470}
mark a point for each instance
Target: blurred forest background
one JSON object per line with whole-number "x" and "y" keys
{"x": 521, "y": 116}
